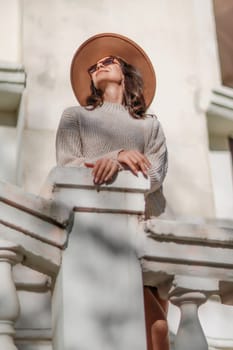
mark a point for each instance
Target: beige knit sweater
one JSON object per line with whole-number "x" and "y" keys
{"x": 87, "y": 135}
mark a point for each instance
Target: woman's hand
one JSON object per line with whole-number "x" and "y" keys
{"x": 103, "y": 170}
{"x": 135, "y": 160}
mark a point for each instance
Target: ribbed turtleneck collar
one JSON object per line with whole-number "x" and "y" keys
{"x": 113, "y": 107}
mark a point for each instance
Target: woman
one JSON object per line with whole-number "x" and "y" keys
{"x": 114, "y": 82}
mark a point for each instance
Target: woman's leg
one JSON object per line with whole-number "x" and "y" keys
{"x": 156, "y": 323}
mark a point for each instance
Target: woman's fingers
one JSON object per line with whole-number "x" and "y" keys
{"x": 140, "y": 163}
{"x": 98, "y": 169}
{"x": 131, "y": 165}
{"x": 103, "y": 170}
{"x": 135, "y": 160}
{"x": 111, "y": 173}
{"x": 142, "y": 158}
{"x": 147, "y": 162}
{"x": 143, "y": 168}
{"x": 134, "y": 155}
{"x": 89, "y": 165}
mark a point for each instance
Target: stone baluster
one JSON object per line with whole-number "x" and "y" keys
{"x": 9, "y": 303}
{"x": 190, "y": 334}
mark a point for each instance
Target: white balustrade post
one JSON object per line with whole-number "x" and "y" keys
{"x": 190, "y": 334}
{"x": 9, "y": 303}
{"x": 100, "y": 282}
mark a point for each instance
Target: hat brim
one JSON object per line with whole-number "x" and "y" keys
{"x": 103, "y": 45}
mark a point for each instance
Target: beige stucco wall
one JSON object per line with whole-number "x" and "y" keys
{"x": 179, "y": 36}
{"x": 10, "y": 30}
{"x": 221, "y": 168}
{"x": 10, "y": 56}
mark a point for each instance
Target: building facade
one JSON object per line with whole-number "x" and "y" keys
{"x": 37, "y": 42}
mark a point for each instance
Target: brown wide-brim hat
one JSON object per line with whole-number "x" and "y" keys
{"x": 110, "y": 44}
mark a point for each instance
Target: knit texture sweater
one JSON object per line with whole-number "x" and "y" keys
{"x": 85, "y": 135}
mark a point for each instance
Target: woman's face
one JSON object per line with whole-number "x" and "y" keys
{"x": 106, "y": 70}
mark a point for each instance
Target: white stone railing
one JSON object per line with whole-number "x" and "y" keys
{"x": 97, "y": 298}
{"x": 33, "y": 232}
{"x": 189, "y": 262}
{"x": 9, "y": 303}
{"x": 100, "y": 282}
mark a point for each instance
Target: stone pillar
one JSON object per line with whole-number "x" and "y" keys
{"x": 190, "y": 331}
{"x": 9, "y": 303}
{"x": 100, "y": 282}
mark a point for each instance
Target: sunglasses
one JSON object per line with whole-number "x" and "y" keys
{"x": 106, "y": 62}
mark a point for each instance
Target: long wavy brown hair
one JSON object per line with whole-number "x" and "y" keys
{"x": 133, "y": 98}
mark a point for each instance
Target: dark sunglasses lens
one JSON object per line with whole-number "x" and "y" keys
{"x": 108, "y": 61}
{"x": 92, "y": 69}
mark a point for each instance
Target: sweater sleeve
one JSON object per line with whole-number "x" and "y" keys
{"x": 156, "y": 152}
{"x": 69, "y": 143}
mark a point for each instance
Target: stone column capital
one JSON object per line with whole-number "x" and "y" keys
{"x": 194, "y": 297}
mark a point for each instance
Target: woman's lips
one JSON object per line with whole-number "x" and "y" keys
{"x": 101, "y": 70}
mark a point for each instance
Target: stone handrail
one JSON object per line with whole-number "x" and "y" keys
{"x": 109, "y": 244}
{"x": 189, "y": 262}
{"x": 33, "y": 232}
